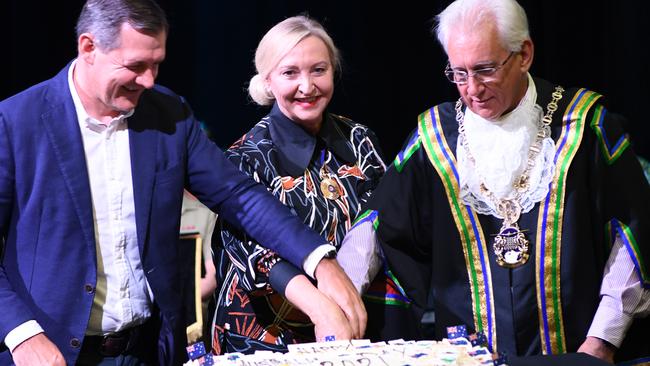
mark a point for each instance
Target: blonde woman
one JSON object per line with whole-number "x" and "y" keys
{"x": 321, "y": 165}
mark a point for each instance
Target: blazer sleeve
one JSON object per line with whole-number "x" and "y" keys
{"x": 14, "y": 310}
{"x": 255, "y": 264}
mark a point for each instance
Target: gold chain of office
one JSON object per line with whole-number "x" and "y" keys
{"x": 510, "y": 244}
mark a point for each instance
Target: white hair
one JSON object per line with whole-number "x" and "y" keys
{"x": 466, "y": 15}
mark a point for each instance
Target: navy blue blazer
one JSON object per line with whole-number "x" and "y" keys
{"x": 48, "y": 269}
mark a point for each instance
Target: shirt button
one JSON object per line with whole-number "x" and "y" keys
{"x": 75, "y": 343}
{"x": 89, "y": 288}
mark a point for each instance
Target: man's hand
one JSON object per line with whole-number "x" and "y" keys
{"x": 37, "y": 350}
{"x": 336, "y": 285}
{"x": 330, "y": 321}
{"x": 327, "y": 316}
{"x": 598, "y": 348}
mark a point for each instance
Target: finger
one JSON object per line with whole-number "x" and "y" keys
{"x": 346, "y": 332}
{"x": 353, "y": 317}
{"x": 360, "y": 315}
{"x": 362, "y": 322}
{"x": 360, "y": 325}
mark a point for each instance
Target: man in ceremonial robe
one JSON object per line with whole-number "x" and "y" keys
{"x": 520, "y": 209}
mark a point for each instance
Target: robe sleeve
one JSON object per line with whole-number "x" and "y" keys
{"x": 623, "y": 196}
{"x": 403, "y": 203}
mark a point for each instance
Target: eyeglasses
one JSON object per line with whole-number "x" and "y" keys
{"x": 484, "y": 75}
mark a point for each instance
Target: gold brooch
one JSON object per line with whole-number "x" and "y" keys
{"x": 330, "y": 188}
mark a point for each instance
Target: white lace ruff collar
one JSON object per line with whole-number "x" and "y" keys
{"x": 500, "y": 149}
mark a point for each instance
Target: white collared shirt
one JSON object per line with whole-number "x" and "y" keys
{"x": 121, "y": 298}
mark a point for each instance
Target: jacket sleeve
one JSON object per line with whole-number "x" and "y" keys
{"x": 14, "y": 310}
{"x": 622, "y": 194}
{"x": 256, "y": 265}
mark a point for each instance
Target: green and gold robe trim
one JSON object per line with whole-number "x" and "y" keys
{"x": 467, "y": 223}
{"x": 549, "y": 228}
{"x": 388, "y": 292}
{"x": 404, "y": 155}
{"x": 368, "y": 215}
{"x": 610, "y": 153}
{"x": 617, "y": 228}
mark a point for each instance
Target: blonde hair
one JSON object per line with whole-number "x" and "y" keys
{"x": 276, "y": 43}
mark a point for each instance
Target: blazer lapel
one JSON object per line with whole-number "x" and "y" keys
{"x": 62, "y": 128}
{"x": 143, "y": 149}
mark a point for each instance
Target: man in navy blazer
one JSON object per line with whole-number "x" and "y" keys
{"x": 93, "y": 163}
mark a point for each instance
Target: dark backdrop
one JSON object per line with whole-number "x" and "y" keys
{"x": 392, "y": 63}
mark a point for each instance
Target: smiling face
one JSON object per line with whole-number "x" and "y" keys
{"x": 473, "y": 50}
{"x": 303, "y": 83}
{"x": 110, "y": 83}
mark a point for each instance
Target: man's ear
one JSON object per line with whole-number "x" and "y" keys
{"x": 86, "y": 47}
{"x": 527, "y": 52}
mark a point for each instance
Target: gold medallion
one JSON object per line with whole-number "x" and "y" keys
{"x": 511, "y": 247}
{"x": 330, "y": 189}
